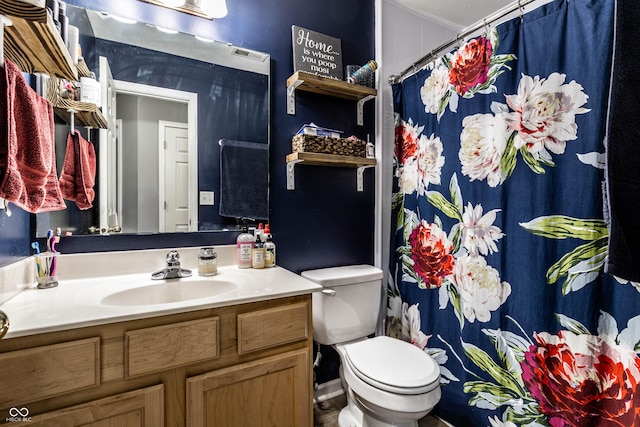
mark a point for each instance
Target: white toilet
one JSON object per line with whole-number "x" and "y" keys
{"x": 389, "y": 382}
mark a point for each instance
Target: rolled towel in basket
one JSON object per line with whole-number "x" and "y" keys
{"x": 27, "y": 146}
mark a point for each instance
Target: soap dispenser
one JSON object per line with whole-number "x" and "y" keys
{"x": 244, "y": 244}
{"x": 257, "y": 253}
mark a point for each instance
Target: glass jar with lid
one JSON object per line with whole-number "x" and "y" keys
{"x": 207, "y": 262}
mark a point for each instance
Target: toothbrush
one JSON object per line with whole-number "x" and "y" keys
{"x": 36, "y": 247}
{"x": 55, "y": 240}
{"x": 49, "y": 237}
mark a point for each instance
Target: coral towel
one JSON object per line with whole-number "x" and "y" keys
{"x": 28, "y": 176}
{"x": 79, "y": 171}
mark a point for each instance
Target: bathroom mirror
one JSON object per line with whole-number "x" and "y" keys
{"x": 207, "y": 91}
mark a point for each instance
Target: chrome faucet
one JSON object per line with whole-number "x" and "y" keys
{"x": 173, "y": 269}
{"x": 4, "y": 324}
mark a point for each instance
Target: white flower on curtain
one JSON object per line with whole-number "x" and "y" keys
{"x": 411, "y": 326}
{"x": 544, "y": 113}
{"x": 537, "y": 121}
{"x": 429, "y": 162}
{"x": 479, "y": 235}
{"x": 479, "y": 288}
{"x": 436, "y": 89}
{"x": 482, "y": 143}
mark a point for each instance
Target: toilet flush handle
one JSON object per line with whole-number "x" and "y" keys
{"x": 329, "y": 292}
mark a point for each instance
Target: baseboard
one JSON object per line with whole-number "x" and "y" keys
{"x": 328, "y": 390}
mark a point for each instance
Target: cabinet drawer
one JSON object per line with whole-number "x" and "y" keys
{"x": 164, "y": 347}
{"x": 143, "y": 407}
{"x": 46, "y": 371}
{"x": 258, "y": 330}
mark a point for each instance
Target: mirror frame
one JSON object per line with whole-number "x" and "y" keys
{"x": 132, "y": 241}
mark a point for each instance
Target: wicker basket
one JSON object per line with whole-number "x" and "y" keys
{"x": 323, "y": 144}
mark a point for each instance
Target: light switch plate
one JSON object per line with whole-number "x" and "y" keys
{"x": 206, "y": 198}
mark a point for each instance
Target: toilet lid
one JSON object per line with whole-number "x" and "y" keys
{"x": 393, "y": 365}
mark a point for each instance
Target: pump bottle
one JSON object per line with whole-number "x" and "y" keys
{"x": 244, "y": 244}
{"x": 269, "y": 249}
{"x": 257, "y": 253}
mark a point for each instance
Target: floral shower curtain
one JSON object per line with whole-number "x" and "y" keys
{"x": 500, "y": 240}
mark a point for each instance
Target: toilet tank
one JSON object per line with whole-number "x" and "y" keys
{"x": 347, "y": 308}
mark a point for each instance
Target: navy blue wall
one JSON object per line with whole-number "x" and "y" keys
{"x": 324, "y": 221}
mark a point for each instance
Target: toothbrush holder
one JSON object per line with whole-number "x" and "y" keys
{"x": 46, "y": 271}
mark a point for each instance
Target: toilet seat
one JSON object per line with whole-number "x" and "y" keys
{"x": 413, "y": 373}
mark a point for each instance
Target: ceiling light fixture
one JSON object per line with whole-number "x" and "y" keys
{"x": 208, "y": 9}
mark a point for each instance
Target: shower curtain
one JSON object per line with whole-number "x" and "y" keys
{"x": 500, "y": 242}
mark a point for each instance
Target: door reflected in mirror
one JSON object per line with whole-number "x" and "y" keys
{"x": 166, "y": 85}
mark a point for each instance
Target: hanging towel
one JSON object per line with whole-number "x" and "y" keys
{"x": 78, "y": 171}
{"x": 623, "y": 152}
{"x": 244, "y": 179}
{"x": 27, "y": 146}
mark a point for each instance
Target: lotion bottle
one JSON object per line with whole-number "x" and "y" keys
{"x": 257, "y": 253}
{"x": 269, "y": 249}
{"x": 244, "y": 244}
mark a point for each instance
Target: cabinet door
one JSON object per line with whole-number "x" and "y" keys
{"x": 269, "y": 392}
{"x": 139, "y": 408}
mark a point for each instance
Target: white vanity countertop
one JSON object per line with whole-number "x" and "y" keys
{"x": 79, "y": 302}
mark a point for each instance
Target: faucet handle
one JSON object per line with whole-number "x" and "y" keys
{"x": 173, "y": 258}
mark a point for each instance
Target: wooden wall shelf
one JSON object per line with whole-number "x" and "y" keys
{"x": 33, "y": 43}
{"x": 86, "y": 114}
{"x": 326, "y": 86}
{"x": 319, "y": 159}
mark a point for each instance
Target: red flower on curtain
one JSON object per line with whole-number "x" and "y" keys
{"x": 583, "y": 380}
{"x": 470, "y": 65}
{"x": 431, "y": 254}
{"x": 406, "y": 138}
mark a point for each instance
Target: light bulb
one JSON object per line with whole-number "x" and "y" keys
{"x": 166, "y": 30}
{"x": 172, "y": 3}
{"x": 214, "y": 8}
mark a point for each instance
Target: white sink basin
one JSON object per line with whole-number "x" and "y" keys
{"x": 166, "y": 292}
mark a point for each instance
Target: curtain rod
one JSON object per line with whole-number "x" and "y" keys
{"x": 518, "y": 5}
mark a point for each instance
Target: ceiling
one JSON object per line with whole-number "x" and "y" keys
{"x": 457, "y": 14}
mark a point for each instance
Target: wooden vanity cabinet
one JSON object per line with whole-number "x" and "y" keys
{"x": 242, "y": 365}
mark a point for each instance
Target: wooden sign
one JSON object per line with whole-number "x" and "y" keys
{"x": 317, "y": 53}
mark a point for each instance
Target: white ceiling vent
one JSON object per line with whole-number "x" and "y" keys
{"x": 250, "y": 54}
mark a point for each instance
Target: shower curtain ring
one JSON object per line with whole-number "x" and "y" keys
{"x": 521, "y": 7}
{"x": 486, "y": 27}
